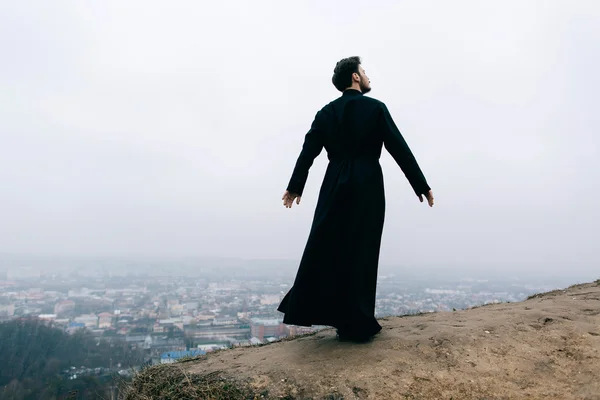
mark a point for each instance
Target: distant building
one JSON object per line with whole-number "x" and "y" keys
{"x": 90, "y": 320}
{"x": 225, "y": 321}
{"x": 75, "y": 326}
{"x": 294, "y": 330}
{"x": 172, "y": 356}
{"x": 211, "y": 347}
{"x": 177, "y": 309}
{"x": 167, "y": 322}
{"x": 105, "y": 320}
{"x": 79, "y": 292}
{"x": 64, "y": 307}
{"x": 61, "y": 322}
{"x": 7, "y": 310}
{"x": 136, "y": 339}
{"x": 35, "y": 294}
{"x": 254, "y": 341}
{"x": 220, "y": 332}
{"x": 170, "y": 323}
{"x": 206, "y": 316}
{"x": 263, "y": 328}
{"x": 269, "y": 299}
{"x": 243, "y": 315}
{"x": 156, "y": 343}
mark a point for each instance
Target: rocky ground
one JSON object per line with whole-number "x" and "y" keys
{"x": 547, "y": 347}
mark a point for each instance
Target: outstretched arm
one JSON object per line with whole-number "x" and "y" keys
{"x": 398, "y": 148}
{"x": 313, "y": 145}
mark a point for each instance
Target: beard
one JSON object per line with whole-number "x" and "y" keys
{"x": 363, "y": 87}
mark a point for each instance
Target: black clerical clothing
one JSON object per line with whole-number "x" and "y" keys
{"x": 336, "y": 281}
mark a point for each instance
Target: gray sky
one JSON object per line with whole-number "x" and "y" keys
{"x": 152, "y": 127}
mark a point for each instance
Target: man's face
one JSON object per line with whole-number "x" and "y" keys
{"x": 364, "y": 83}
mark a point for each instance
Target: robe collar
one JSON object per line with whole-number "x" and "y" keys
{"x": 352, "y": 92}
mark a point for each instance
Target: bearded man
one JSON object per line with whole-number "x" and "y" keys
{"x": 337, "y": 277}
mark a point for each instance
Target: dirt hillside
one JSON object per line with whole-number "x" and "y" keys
{"x": 547, "y": 347}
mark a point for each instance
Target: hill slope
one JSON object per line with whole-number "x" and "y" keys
{"x": 545, "y": 347}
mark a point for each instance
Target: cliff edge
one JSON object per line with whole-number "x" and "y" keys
{"x": 546, "y": 347}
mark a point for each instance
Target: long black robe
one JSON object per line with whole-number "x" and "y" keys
{"x": 336, "y": 280}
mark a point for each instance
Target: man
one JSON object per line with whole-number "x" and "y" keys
{"x": 336, "y": 280}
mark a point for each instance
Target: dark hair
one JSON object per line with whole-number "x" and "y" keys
{"x": 342, "y": 73}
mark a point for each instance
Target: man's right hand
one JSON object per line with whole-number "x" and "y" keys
{"x": 429, "y": 197}
{"x": 288, "y": 199}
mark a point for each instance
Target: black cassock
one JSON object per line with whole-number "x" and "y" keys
{"x": 336, "y": 280}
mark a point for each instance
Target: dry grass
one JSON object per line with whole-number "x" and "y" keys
{"x": 539, "y": 295}
{"x": 171, "y": 381}
{"x": 558, "y": 291}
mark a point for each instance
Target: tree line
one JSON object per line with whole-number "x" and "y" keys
{"x": 38, "y": 361}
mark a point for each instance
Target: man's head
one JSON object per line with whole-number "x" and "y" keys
{"x": 349, "y": 74}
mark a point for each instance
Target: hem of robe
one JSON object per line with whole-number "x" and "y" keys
{"x": 365, "y": 328}
{"x": 361, "y": 326}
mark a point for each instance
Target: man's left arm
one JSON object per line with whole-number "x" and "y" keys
{"x": 312, "y": 147}
{"x": 396, "y": 145}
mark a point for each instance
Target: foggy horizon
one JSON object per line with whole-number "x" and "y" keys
{"x": 196, "y": 265}
{"x": 165, "y": 131}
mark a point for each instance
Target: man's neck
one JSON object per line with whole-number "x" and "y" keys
{"x": 354, "y": 86}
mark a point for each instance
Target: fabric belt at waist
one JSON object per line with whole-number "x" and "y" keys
{"x": 354, "y": 158}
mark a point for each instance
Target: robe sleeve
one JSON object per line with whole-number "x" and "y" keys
{"x": 312, "y": 147}
{"x": 399, "y": 150}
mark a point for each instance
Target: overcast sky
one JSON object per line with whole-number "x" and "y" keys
{"x": 170, "y": 128}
